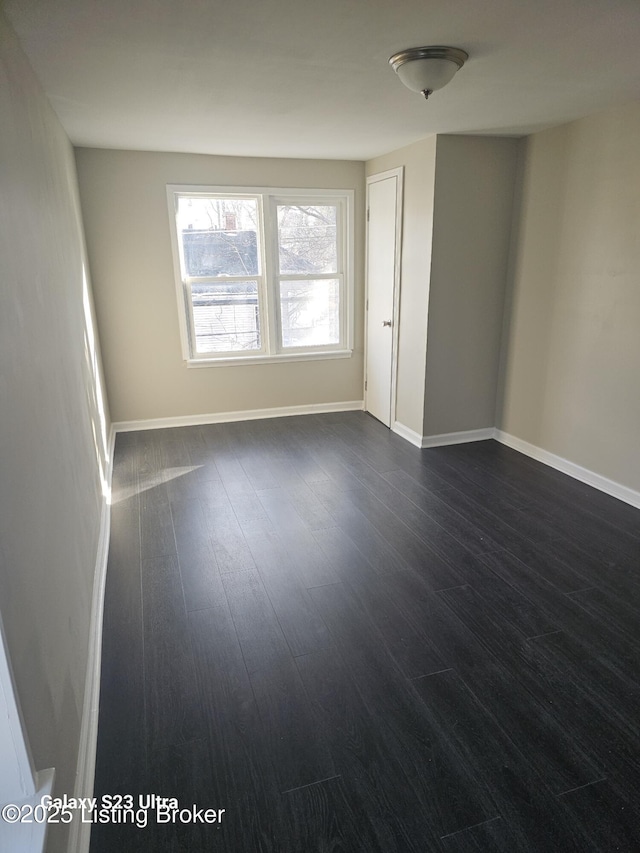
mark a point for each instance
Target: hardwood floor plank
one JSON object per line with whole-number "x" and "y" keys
{"x": 311, "y": 564}
{"x": 461, "y": 527}
{"x": 466, "y": 465}
{"x": 532, "y": 819}
{"x": 438, "y": 627}
{"x": 545, "y": 564}
{"x": 156, "y": 524}
{"x": 495, "y": 835}
{"x": 298, "y": 750}
{"x": 514, "y": 608}
{"x": 329, "y": 462}
{"x": 492, "y": 513}
{"x": 609, "y": 739}
{"x": 184, "y": 484}
{"x": 511, "y": 693}
{"x": 616, "y": 615}
{"x": 372, "y": 774}
{"x": 596, "y": 634}
{"x": 213, "y": 494}
{"x": 347, "y": 560}
{"x": 607, "y": 683}
{"x": 308, "y": 507}
{"x": 183, "y": 772}
{"x": 366, "y": 439}
{"x": 243, "y": 776}
{"x": 227, "y": 539}
{"x": 200, "y": 575}
{"x": 300, "y": 622}
{"x": 233, "y": 475}
{"x": 435, "y": 770}
{"x": 258, "y": 469}
{"x": 190, "y": 526}
{"x": 413, "y": 654}
{"x": 261, "y": 639}
{"x": 372, "y": 544}
{"x": 172, "y": 448}
{"x": 294, "y": 460}
{"x": 606, "y": 820}
{"x": 173, "y": 713}
{"x": 596, "y": 538}
{"x": 247, "y": 508}
{"x": 375, "y": 780}
{"x": 325, "y": 817}
{"x": 620, "y": 580}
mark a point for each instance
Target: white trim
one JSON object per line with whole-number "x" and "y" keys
{"x": 445, "y": 438}
{"x": 29, "y": 837}
{"x": 80, "y": 833}
{"x": 408, "y": 434}
{"x": 17, "y": 775}
{"x": 240, "y": 190}
{"x": 248, "y": 415}
{"x": 584, "y": 475}
{"x": 183, "y": 325}
{"x": 233, "y": 361}
{"x": 397, "y": 173}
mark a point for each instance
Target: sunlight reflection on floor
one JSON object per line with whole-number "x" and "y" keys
{"x": 150, "y": 482}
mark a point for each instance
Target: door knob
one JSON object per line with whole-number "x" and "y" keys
{"x": 386, "y": 322}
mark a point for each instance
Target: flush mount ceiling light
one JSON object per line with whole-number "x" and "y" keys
{"x": 425, "y": 69}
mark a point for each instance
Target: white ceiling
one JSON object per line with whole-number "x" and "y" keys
{"x": 310, "y": 78}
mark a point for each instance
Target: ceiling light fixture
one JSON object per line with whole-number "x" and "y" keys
{"x": 425, "y": 69}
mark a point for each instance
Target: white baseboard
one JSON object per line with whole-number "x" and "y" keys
{"x": 462, "y": 437}
{"x": 248, "y": 415}
{"x": 80, "y": 833}
{"x": 444, "y": 438}
{"x": 610, "y": 487}
{"x": 31, "y": 836}
{"x": 408, "y": 434}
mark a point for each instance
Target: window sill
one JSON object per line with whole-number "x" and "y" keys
{"x": 230, "y": 361}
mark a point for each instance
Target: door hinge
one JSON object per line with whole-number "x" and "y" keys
{"x": 368, "y": 211}
{"x": 367, "y": 306}
{"x": 365, "y": 384}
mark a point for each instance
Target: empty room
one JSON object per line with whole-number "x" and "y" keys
{"x": 319, "y": 426}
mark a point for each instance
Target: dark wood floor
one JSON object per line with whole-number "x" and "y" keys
{"x": 353, "y": 645}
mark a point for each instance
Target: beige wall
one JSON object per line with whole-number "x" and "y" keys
{"x": 126, "y": 220}
{"x": 472, "y": 217}
{"x": 52, "y": 452}
{"x": 572, "y": 351}
{"x": 419, "y": 161}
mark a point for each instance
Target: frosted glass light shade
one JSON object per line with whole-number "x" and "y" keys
{"x": 426, "y": 69}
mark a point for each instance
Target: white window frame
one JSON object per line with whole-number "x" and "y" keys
{"x": 269, "y": 276}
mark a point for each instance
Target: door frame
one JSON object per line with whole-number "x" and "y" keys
{"x": 397, "y": 273}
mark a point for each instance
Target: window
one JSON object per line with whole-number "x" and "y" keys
{"x": 262, "y": 275}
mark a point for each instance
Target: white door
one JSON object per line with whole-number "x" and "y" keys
{"x": 384, "y": 218}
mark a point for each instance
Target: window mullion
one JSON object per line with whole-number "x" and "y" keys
{"x": 191, "y": 323}
{"x": 219, "y": 279}
{"x": 345, "y": 311}
{"x": 309, "y": 276}
{"x": 271, "y": 273}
